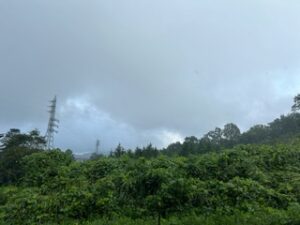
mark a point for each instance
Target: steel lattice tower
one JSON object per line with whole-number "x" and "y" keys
{"x": 52, "y": 125}
{"x": 97, "y": 146}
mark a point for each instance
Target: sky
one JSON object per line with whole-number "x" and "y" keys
{"x": 146, "y": 71}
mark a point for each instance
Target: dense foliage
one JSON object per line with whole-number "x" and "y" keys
{"x": 242, "y": 184}
{"x": 278, "y": 131}
{"x": 226, "y": 177}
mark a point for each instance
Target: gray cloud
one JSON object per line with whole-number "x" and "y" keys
{"x": 146, "y": 71}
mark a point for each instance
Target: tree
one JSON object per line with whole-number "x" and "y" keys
{"x": 296, "y": 105}
{"x": 31, "y": 140}
{"x": 119, "y": 151}
{"x": 14, "y": 146}
{"x": 256, "y": 134}
{"x": 149, "y": 151}
{"x": 42, "y": 167}
{"x": 285, "y": 127}
{"x": 7, "y": 139}
{"x": 11, "y": 164}
{"x": 231, "y": 132}
{"x": 173, "y": 149}
{"x": 190, "y": 145}
{"x": 214, "y": 136}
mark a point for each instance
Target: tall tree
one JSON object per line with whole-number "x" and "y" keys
{"x": 296, "y": 105}
{"x": 231, "y": 132}
{"x": 215, "y": 136}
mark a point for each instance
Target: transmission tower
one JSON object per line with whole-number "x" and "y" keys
{"x": 52, "y": 125}
{"x": 97, "y": 146}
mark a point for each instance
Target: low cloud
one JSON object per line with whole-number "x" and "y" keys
{"x": 137, "y": 72}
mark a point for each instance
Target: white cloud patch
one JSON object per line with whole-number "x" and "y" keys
{"x": 169, "y": 137}
{"x": 82, "y": 123}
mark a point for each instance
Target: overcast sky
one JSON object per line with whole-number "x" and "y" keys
{"x": 141, "y": 71}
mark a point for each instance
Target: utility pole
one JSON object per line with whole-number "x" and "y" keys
{"x": 52, "y": 125}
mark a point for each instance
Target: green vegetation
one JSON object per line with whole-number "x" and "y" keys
{"x": 225, "y": 178}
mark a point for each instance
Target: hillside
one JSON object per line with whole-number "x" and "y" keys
{"x": 225, "y": 177}
{"x": 249, "y": 184}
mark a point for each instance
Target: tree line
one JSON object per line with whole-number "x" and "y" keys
{"x": 225, "y": 177}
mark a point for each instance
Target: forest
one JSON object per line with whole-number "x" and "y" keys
{"x": 225, "y": 177}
